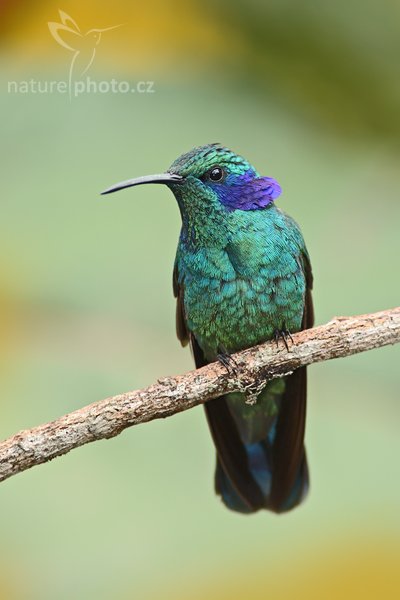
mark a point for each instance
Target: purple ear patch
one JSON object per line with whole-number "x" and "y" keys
{"x": 247, "y": 192}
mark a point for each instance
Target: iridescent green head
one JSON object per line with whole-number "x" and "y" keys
{"x": 198, "y": 161}
{"x": 213, "y": 177}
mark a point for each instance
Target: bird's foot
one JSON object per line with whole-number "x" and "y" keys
{"x": 250, "y": 388}
{"x": 228, "y": 362}
{"x": 284, "y": 335}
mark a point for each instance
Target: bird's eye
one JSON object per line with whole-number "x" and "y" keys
{"x": 216, "y": 174}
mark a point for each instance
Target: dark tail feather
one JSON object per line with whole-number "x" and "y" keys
{"x": 233, "y": 472}
{"x": 230, "y": 497}
{"x": 289, "y": 464}
{"x": 271, "y": 473}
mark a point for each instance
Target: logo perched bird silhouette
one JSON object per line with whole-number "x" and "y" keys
{"x": 83, "y": 45}
{"x": 242, "y": 276}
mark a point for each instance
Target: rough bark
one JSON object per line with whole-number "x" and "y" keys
{"x": 340, "y": 337}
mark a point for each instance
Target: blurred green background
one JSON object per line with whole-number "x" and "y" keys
{"x": 310, "y": 94}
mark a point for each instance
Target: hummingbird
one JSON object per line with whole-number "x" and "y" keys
{"x": 83, "y": 45}
{"x": 242, "y": 276}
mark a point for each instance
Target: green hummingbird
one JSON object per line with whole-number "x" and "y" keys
{"x": 242, "y": 276}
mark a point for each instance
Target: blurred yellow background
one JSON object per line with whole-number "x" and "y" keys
{"x": 310, "y": 94}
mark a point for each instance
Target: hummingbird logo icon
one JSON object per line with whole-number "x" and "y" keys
{"x": 83, "y": 45}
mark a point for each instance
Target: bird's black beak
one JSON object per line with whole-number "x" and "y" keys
{"x": 166, "y": 178}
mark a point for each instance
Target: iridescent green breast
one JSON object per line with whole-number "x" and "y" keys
{"x": 237, "y": 295}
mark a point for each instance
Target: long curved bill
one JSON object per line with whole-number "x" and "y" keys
{"x": 162, "y": 178}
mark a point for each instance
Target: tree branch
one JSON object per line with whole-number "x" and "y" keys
{"x": 340, "y": 337}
